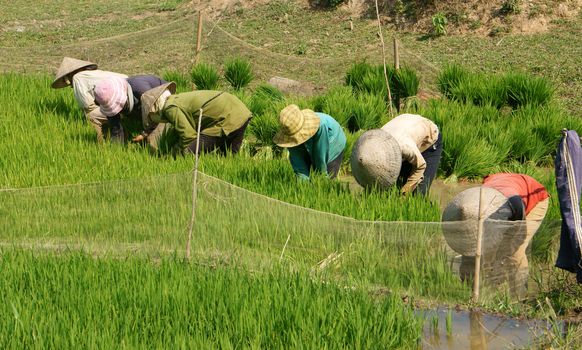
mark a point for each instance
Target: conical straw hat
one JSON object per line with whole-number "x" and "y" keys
{"x": 70, "y": 65}
{"x": 376, "y": 159}
{"x": 149, "y": 98}
{"x": 461, "y": 219}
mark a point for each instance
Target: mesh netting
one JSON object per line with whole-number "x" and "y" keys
{"x": 235, "y": 226}
{"x": 171, "y": 46}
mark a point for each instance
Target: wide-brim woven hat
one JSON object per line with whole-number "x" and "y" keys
{"x": 111, "y": 95}
{"x": 149, "y": 98}
{"x": 461, "y": 220}
{"x": 70, "y": 65}
{"x": 376, "y": 159}
{"x": 296, "y": 126}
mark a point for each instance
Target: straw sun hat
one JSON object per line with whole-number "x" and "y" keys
{"x": 149, "y": 98}
{"x": 70, "y": 65}
{"x": 297, "y": 126}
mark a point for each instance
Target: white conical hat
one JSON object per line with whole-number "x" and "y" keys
{"x": 461, "y": 219}
{"x": 70, "y": 65}
{"x": 376, "y": 159}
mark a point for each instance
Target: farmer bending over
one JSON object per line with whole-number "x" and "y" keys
{"x": 224, "y": 117}
{"x": 406, "y": 150}
{"x": 115, "y": 98}
{"x": 506, "y": 197}
{"x": 82, "y": 76}
{"x": 316, "y": 141}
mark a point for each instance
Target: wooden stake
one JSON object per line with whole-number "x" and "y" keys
{"x": 384, "y": 57}
{"x": 194, "y": 189}
{"x": 477, "y": 273}
{"x": 198, "y": 38}
{"x": 396, "y": 55}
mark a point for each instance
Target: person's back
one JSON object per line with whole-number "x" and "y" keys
{"x": 423, "y": 132}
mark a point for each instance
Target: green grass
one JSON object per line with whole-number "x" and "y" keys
{"x": 74, "y": 301}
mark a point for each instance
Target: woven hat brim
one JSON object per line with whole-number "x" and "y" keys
{"x": 376, "y": 159}
{"x": 308, "y": 129}
{"x": 149, "y": 98}
{"x": 68, "y": 66}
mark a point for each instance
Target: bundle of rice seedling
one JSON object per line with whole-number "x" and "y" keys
{"x": 264, "y": 98}
{"x": 183, "y": 84}
{"x": 204, "y": 76}
{"x": 405, "y": 82}
{"x": 368, "y": 112}
{"x": 337, "y": 102}
{"x": 523, "y": 89}
{"x": 449, "y": 78}
{"x": 238, "y": 72}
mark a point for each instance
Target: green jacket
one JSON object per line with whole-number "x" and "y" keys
{"x": 222, "y": 115}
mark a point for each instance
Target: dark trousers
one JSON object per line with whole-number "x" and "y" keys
{"x": 231, "y": 142}
{"x": 432, "y": 157}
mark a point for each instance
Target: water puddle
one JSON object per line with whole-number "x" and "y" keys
{"x": 450, "y": 329}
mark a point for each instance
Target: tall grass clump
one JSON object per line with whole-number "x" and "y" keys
{"x": 238, "y": 72}
{"x": 523, "y": 90}
{"x": 204, "y": 76}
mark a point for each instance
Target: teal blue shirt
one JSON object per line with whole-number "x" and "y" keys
{"x": 320, "y": 150}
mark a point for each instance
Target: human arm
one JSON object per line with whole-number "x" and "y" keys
{"x": 413, "y": 156}
{"x": 297, "y": 157}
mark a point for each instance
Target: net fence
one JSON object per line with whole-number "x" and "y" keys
{"x": 172, "y": 46}
{"x": 234, "y": 226}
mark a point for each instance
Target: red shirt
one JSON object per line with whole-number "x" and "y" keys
{"x": 530, "y": 191}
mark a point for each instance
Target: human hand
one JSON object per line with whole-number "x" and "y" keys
{"x": 138, "y": 138}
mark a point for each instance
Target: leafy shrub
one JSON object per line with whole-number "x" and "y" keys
{"x": 204, "y": 76}
{"x": 510, "y": 7}
{"x": 182, "y": 82}
{"x": 523, "y": 90}
{"x": 238, "y": 72}
{"x": 439, "y": 24}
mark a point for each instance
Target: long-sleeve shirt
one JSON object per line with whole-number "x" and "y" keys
{"x": 83, "y": 84}
{"x": 139, "y": 85}
{"x": 222, "y": 114}
{"x": 414, "y": 134}
{"x": 322, "y": 148}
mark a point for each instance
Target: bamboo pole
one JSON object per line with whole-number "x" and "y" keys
{"x": 198, "y": 38}
{"x": 384, "y": 57}
{"x": 476, "y": 276}
{"x": 396, "y": 55}
{"x": 194, "y": 189}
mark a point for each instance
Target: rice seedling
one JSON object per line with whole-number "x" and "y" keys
{"x": 264, "y": 98}
{"x": 449, "y": 323}
{"x": 75, "y": 301}
{"x": 523, "y": 90}
{"x": 405, "y": 82}
{"x": 204, "y": 76}
{"x": 238, "y": 72}
{"x": 450, "y": 76}
{"x": 182, "y": 81}
{"x": 337, "y": 102}
{"x": 368, "y": 112}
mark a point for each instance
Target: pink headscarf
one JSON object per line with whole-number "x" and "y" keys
{"x": 111, "y": 95}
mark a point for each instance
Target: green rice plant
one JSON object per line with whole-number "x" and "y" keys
{"x": 339, "y": 103}
{"x": 181, "y": 79}
{"x": 355, "y": 75}
{"x": 264, "y": 98}
{"x": 238, "y": 72}
{"x": 523, "y": 89}
{"x": 351, "y": 138}
{"x": 204, "y": 76}
{"x": 369, "y": 111}
{"x": 477, "y": 159}
{"x": 405, "y": 82}
{"x": 450, "y": 76}
{"x": 264, "y": 126}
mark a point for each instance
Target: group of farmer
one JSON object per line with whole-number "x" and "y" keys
{"x": 406, "y": 151}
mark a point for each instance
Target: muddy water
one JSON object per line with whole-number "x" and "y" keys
{"x": 477, "y": 331}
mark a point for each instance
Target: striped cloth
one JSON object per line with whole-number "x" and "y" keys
{"x": 111, "y": 95}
